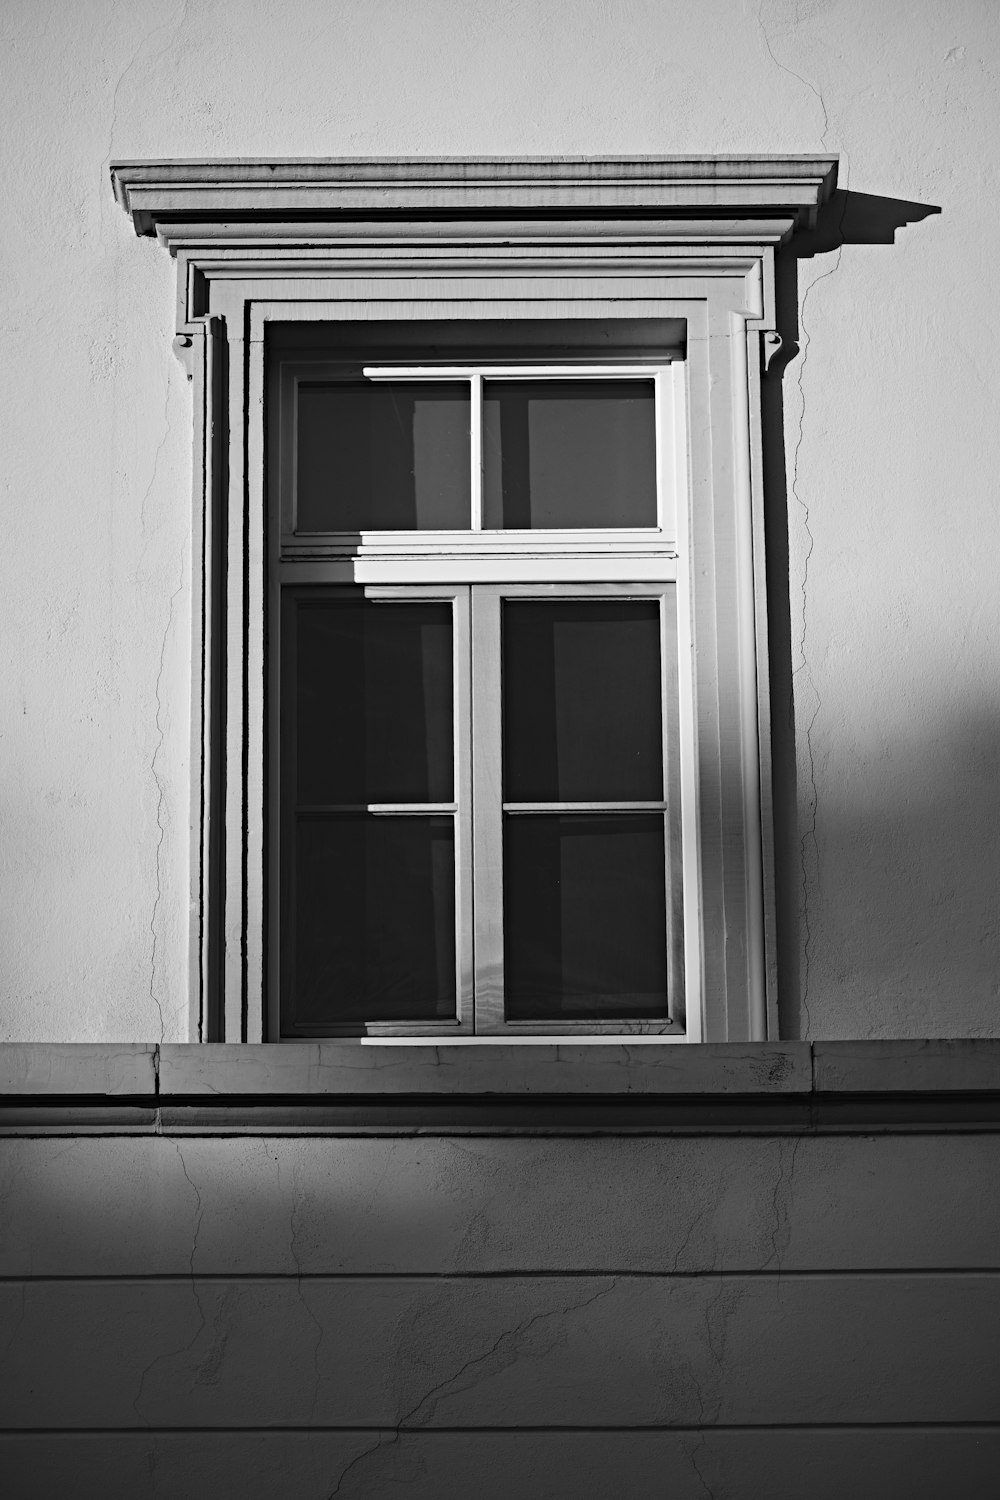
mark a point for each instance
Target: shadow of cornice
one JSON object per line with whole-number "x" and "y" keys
{"x": 847, "y": 218}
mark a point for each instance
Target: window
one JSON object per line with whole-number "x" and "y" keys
{"x": 476, "y": 781}
{"x": 480, "y": 721}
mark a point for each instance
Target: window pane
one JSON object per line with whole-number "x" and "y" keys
{"x": 383, "y": 457}
{"x": 372, "y": 921}
{"x": 373, "y": 702}
{"x": 584, "y": 917}
{"x": 569, "y": 453}
{"x": 581, "y": 701}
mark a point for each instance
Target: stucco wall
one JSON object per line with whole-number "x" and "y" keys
{"x": 769, "y": 1275}
{"x": 891, "y": 445}
{"x": 685, "y": 1316}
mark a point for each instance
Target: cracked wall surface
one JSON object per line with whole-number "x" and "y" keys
{"x": 722, "y": 1315}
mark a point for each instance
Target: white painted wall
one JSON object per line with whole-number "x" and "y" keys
{"x": 891, "y": 436}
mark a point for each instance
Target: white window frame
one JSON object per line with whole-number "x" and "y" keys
{"x": 648, "y": 562}
{"x": 487, "y": 555}
{"x": 633, "y": 240}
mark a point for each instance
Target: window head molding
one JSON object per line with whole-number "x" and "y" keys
{"x": 693, "y": 205}
{"x": 605, "y": 244}
{"x": 160, "y": 194}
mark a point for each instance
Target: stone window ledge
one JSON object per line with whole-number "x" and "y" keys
{"x": 377, "y": 1072}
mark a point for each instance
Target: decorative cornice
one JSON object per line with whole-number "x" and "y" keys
{"x": 221, "y": 194}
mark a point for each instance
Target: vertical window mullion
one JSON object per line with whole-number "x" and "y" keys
{"x": 659, "y": 420}
{"x": 464, "y": 900}
{"x": 476, "y": 446}
{"x": 487, "y": 809}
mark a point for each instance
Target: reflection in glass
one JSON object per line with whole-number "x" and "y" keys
{"x": 584, "y": 917}
{"x": 373, "y": 702}
{"x": 386, "y": 456}
{"x": 581, "y": 701}
{"x": 372, "y": 919}
{"x": 563, "y": 453}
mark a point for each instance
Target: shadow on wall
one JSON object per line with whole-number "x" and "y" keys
{"x": 856, "y": 219}
{"x": 902, "y": 905}
{"x": 904, "y": 941}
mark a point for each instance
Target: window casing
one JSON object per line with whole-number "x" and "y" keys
{"x": 661, "y": 254}
{"x": 535, "y": 886}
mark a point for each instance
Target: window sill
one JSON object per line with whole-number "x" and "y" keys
{"x": 377, "y": 1074}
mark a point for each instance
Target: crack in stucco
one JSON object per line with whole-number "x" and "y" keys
{"x": 816, "y": 93}
{"x": 716, "y": 1331}
{"x": 152, "y": 1467}
{"x": 809, "y": 838}
{"x": 147, "y": 493}
{"x": 497, "y": 1355}
{"x": 19, "y": 1320}
{"x": 208, "y": 1368}
{"x": 717, "y": 1314}
{"x": 694, "y": 1455}
{"x": 294, "y": 1225}
{"x": 199, "y": 1206}
{"x": 781, "y": 1203}
{"x": 175, "y": 27}
{"x": 780, "y": 1207}
{"x": 202, "y": 1320}
{"x": 161, "y": 802}
{"x": 693, "y": 1225}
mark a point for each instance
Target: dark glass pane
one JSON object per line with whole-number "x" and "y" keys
{"x": 373, "y": 701}
{"x": 584, "y": 917}
{"x": 383, "y": 457}
{"x": 372, "y": 921}
{"x": 581, "y": 701}
{"x": 569, "y": 453}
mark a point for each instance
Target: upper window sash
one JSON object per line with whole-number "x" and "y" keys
{"x": 666, "y": 376}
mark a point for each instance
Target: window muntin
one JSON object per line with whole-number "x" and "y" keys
{"x": 552, "y": 897}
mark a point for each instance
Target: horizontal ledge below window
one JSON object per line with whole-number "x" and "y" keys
{"x": 384, "y": 1071}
